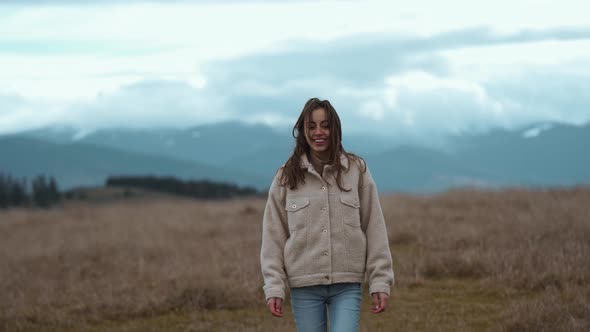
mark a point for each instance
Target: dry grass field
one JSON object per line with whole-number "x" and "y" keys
{"x": 465, "y": 260}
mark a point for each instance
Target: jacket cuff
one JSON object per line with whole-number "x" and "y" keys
{"x": 274, "y": 292}
{"x": 379, "y": 287}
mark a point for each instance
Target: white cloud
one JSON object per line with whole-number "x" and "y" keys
{"x": 420, "y": 67}
{"x": 148, "y": 104}
{"x": 74, "y": 77}
{"x": 372, "y": 109}
{"x": 423, "y": 103}
{"x": 270, "y": 118}
{"x": 17, "y": 113}
{"x": 489, "y": 63}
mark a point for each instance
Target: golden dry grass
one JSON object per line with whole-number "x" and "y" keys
{"x": 512, "y": 260}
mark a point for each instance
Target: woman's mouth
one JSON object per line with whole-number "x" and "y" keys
{"x": 320, "y": 141}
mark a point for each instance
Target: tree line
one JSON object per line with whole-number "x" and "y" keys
{"x": 42, "y": 192}
{"x": 191, "y": 188}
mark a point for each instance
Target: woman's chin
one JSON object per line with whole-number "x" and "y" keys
{"x": 322, "y": 149}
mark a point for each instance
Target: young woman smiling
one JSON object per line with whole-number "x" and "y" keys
{"x": 323, "y": 231}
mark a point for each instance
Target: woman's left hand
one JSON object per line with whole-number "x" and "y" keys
{"x": 380, "y": 301}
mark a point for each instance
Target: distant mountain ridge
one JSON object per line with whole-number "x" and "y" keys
{"x": 77, "y": 164}
{"x": 555, "y": 154}
{"x": 250, "y": 148}
{"x": 539, "y": 154}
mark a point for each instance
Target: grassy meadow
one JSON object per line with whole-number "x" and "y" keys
{"x": 465, "y": 260}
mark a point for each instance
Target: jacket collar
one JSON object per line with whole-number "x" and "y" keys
{"x": 305, "y": 163}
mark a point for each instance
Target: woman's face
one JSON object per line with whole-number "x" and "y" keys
{"x": 317, "y": 132}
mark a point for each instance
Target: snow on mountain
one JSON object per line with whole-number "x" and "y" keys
{"x": 536, "y": 131}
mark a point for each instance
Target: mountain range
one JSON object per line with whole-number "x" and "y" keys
{"x": 545, "y": 154}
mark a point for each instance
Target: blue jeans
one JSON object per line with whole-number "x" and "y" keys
{"x": 343, "y": 301}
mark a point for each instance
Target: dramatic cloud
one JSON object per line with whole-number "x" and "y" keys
{"x": 17, "y": 113}
{"x": 149, "y": 104}
{"x": 423, "y": 87}
{"x": 412, "y": 71}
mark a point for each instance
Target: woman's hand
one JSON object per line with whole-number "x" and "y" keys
{"x": 275, "y": 305}
{"x": 380, "y": 301}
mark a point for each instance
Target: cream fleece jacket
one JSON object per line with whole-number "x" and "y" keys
{"x": 320, "y": 235}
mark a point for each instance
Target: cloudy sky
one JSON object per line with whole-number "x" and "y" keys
{"x": 417, "y": 68}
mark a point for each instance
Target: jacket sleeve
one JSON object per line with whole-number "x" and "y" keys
{"x": 274, "y": 236}
{"x": 379, "y": 263}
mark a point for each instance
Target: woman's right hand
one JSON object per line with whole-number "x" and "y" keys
{"x": 275, "y": 305}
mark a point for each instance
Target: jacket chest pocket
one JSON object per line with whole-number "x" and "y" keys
{"x": 350, "y": 210}
{"x": 297, "y": 212}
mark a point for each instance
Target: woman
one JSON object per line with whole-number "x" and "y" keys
{"x": 323, "y": 229}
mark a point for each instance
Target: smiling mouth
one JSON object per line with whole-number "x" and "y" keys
{"x": 319, "y": 141}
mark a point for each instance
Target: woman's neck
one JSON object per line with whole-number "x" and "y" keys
{"x": 318, "y": 161}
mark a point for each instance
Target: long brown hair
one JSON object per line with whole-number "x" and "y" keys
{"x": 292, "y": 173}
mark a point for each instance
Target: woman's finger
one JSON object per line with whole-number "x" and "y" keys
{"x": 279, "y": 305}
{"x": 377, "y": 310}
{"x": 272, "y": 307}
{"x": 380, "y": 302}
{"x": 375, "y": 300}
{"x": 385, "y": 301}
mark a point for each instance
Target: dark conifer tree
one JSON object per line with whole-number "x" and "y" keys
{"x": 4, "y": 191}
{"x": 53, "y": 191}
{"x": 41, "y": 195}
{"x": 18, "y": 194}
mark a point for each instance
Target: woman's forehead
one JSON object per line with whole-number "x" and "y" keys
{"x": 318, "y": 115}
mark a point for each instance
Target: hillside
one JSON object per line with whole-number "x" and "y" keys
{"x": 81, "y": 164}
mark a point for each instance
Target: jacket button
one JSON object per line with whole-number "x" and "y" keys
{"x": 293, "y": 206}
{"x": 323, "y": 209}
{"x": 326, "y": 253}
{"x": 325, "y": 231}
{"x": 323, "y": 188}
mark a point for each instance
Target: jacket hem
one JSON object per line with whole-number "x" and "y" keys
{"x": 325, "y": 278}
